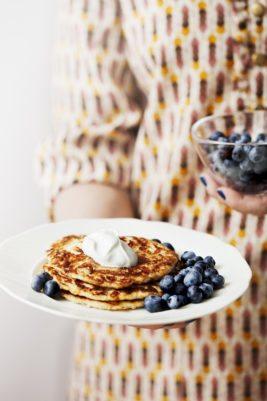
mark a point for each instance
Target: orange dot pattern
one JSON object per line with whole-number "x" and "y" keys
{"x": 131, "y": 77}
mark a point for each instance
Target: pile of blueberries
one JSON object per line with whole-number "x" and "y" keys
{"x": 44, "y": 282}
{"x": 239, "y": 159}
{"x": 194, "y": 283}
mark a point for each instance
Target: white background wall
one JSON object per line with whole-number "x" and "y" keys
{"x": 35, "y": 348}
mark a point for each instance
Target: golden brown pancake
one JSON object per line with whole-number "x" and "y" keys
{"x": 115, "y": 305}
{"x": 154, "y": 261}
{"x": 80, "y": 288}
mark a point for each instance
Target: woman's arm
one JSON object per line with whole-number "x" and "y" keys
{"x": 96, "y": 117}
{"x": 92, "y": 201}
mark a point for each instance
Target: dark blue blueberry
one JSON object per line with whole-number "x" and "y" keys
{"x": 217, "y": 281}
{"x": 216, "y": 135}
{"x": 192, "y": 278}
{"x": 154, "y": 303}
{"x": 207, "y": 281}
{"x": 258, "y": 154}
{"x": 246, "y": 166}
{"x": 246, "y": 176}
{"x": 51, "y": 289}
{"x": 234, "y": 137}
{"x": 230, "y": 164}
{"x": 207, "y": 290}
{"x": 261, "y": 137}
{"x": 210, "y": 262}
{"x": 179, "y": 278}
{"x": 165, "y": 297}
{"x": 247, "y": 148}
{"x": 156, "y": 240}
{"x": 261, "y": 168}
{"x": 168, "y": 245}
{"x": 210, "y": 272}
{"x": 167, "y": 283}
{"x": 187, "y": 255}
{"x": 238, "y": 153}
{"x": 225, "y": 152}
{"x": 245, "y": 138}
{"x": 39, "y": 280}
{"x": 200, "y": 266}
{"x": 190, "y": 262}
{"x": 195, "y": 294}
{"x": 37, "y": 284}
{"x": 175, "y": 301}
{"x": 223, "y": 139}
{"x": 179, "y": 289}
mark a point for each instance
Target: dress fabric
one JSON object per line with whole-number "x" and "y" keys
{"x": 131, "y": 77}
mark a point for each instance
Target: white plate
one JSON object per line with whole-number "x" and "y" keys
{"x": 20, "y": 255}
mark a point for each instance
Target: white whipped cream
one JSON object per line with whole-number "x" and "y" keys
{"x": 107, "y": 249}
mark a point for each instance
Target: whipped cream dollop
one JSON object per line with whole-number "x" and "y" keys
{"x": 107, "y": 249}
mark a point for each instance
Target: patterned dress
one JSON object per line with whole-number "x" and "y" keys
{"x": 131, "y": 78}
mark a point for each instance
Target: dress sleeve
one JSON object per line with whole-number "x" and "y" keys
{"x": 96, "y": 111}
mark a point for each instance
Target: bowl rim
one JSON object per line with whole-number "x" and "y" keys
{"x": 205, "y": 119}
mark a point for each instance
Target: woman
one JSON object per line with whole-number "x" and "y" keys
{"x": 132, "y": 77}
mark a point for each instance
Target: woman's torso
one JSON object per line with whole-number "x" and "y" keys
{"x": 190, "y": 58}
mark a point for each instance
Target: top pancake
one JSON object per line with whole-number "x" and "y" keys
{"x": 154, "y": 261}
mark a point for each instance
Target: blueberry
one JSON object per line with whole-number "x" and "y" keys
{"x": 261, "y": 137}
{"x": 165, "y": 297}
{"x": 154, "y": 303}
{"x": 234, "y": 137}
{"x": 156, "y": 240}
{"x": 245, "y": 138}
{"x": 179, "y": 289}
{"x": 225, "y": 152}
{"x": 192, "y": 278}
{"x": 246, "y": 166}
{"x": 261, "y": 168}
{"x": 187, "y": 255}
{"x": 238, "y": 153}
{"x": 207, "y": 280}
{"x": 217, "y": 281}
{"x": 190, "y": 262}
{"x": 210, "y": 272}
{"x": 39, "y": 280}
{"x": 246, "y": 176}
{"x": 167, "y": 283}
{"x": 223, "y": 139}
{"x": 247, "y": 148}
{"x": 200, "y": 266}
{"x": 216, "y": 135}
{"x": 207, "y": 290}
{"x": 257, "y": 154}
{"x": 168, "y": 245}
{"x": 195, "y": 294}
{"x": 210, "y": 262}
{"x": 51, "y": 288}
{"x": 37, "y": 284}
{"x": 179, "y": 278}
{"x": 175, "y": 301}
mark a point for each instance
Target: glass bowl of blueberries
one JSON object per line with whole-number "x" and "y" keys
{"x": 234, "y": 149}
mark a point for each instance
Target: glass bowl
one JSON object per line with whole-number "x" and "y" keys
{"x": 234, "y": 149}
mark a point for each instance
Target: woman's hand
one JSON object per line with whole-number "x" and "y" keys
{"x": 252, "y": 204}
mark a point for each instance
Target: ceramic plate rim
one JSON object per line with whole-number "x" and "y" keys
{"x": 123, "y": 317}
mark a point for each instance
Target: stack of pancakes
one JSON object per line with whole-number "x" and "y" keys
{"x": 84, "y": 281}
